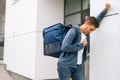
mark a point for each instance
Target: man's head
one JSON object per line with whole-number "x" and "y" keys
{"x": 90, "y": 25}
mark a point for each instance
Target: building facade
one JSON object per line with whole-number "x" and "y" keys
{"x": 23, "y": 41}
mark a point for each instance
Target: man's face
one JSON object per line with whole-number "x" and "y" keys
{"x": 89, "y": 29}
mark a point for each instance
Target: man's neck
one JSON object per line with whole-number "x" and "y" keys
{"x": 82, "y": 28}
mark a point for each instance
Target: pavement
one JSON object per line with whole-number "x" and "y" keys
{"x": 4, "y": 75}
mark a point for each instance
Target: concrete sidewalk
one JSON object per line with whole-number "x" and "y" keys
{"x": 3, "y": 73}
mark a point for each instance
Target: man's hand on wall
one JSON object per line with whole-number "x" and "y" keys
{"x": 107, "y": 6}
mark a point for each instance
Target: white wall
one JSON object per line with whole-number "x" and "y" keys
{"x": 49, "y": 12}
{"x": 25, "y": 21}
{"x": 105, "y": 43}
{"x": 20, "y": 37}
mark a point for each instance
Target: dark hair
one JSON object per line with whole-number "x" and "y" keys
{"x": 92, "y": 21}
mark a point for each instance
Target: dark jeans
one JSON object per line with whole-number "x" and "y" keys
{"x": 65, "y": 72}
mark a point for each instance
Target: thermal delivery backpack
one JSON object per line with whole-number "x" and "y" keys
{"x": 53, "y": 37}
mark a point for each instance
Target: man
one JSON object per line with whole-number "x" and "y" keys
{"x": 73, "y": 56}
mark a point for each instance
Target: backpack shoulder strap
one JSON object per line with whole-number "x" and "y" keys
{"x": 77, "y": 34}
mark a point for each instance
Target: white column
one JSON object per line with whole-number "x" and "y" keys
{"x": 20, "y": 36}
{"x": 25, "y": 20}
{"x": 105, "y": 43}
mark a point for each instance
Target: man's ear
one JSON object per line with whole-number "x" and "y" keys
{"x": 87, "y": 23}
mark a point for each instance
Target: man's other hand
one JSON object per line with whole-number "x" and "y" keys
{"x": 107, "y": 6}
{"x": 85, "y": 42}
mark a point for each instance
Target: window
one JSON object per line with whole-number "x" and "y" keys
{"x": 76, "y": 11}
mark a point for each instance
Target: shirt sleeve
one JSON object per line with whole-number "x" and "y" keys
{"x": 67, "y": 45}
{"x": 101, "y": 15}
